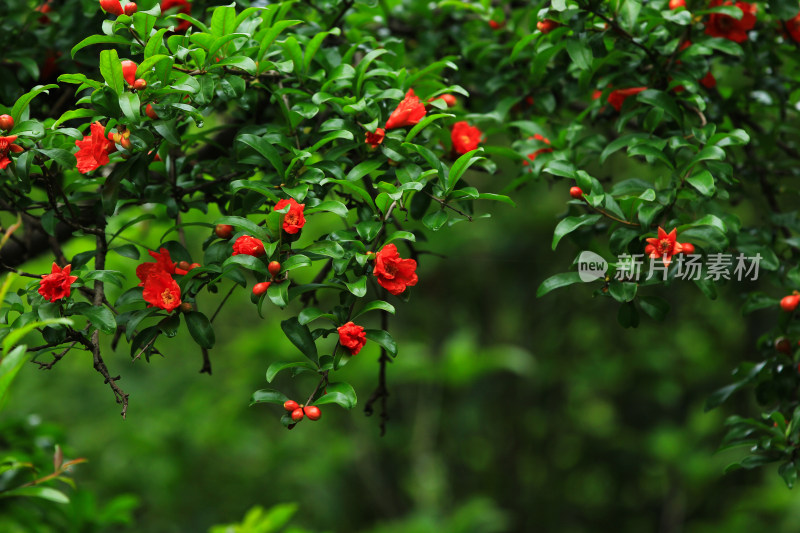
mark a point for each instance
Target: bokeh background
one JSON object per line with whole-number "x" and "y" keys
{"x": 508, "y": 412}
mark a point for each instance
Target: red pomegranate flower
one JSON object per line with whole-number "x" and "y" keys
{"x": 183, "y": 6}
{"x": 93, "y": 149}
{"x": 708, "y": 81}
{"x": 617, "y": 97}
{"x": 112, "y": 6}
{"x": 294, "y": 220}
{"x": 44, "y": 9}
{"x": 163, "y": 263}
{"x": 535, "y": 154}
{"x": 664, "y": 246}
{"x": 7, "y": 145}
{"x": 55, "y": 285}
{"x": 161, "y": 291}
{"x": 793, "y": 28}
{"x": 374, "y": 139}
{"x": 352, "y": 337}
{"x": 727, "y": 27}
{"x": 247, "y": 245}
{"x": 409, "y": 112}
{"x": 465, "y": 137}
{"x": 392, "y": 271}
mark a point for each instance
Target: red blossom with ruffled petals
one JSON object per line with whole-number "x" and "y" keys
{"x": 161, "y": 291}
{"x": 56, "y": 284}
{"x": 465, "y": 137}
{"x": 294, "y": 220}
{"x": 93, "y": 149}
{"x": 164, "y": 263}
{"x": 409, "y": 112}
{"x": 7, "y": 145}
{"x": 247, "y": 245}
{"x": 392, "y": 271}
{"x": 727, "y": 27}
{"x": 374, "y": 139}
{"x": 617, "y": 97}
{"x": 664, "y": 246}
{"x": 793, "y": 28}
{"x": 353, "y": 337}
{"x": 183, "y": 6}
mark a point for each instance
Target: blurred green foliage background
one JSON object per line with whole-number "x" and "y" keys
{"x": 508, "y": 413}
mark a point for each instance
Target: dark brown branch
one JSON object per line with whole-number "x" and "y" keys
{"x": 445, "y": 204}
{"x": 381, "y": 391}
{"x": 99, "y": 296}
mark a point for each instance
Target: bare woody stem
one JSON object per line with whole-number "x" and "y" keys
{"x": 94, "y": 345}
{"x": 381, "y": 391}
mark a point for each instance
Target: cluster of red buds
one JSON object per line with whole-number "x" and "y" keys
{"x": 298, "y": 411}
{"x": 114, "y": 7}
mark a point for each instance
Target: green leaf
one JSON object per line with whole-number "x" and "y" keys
{"x": 331, "y": 206}
{"x": 788, "y": 471}
{"x": 200, "y": 328}
{"x": 310, "y": 314}
{"x": 358, "y": 287}
{"x": 111, "y": 69}
{"x": 294, "y": 262}
{"x": 278, "y": 293}
{"x": 570, "y": 224}
{"x": 562, "y": 168}
{"x": 130, "y": 106}
{"x": 300, "y": 337}
{"x": 253, "y": 229}
{"x": 268, "y": 396}
{"x": 265, "y": 148}
{"x": 155, "y": 44}
{"x": 223, "y": 20}
{"x": 341, "y": 134}
{"x": 580, "y": 53}
{"x": 99, "y": 39}
{"x": 460, "y": 167}
{"x": 425, "y": 122}
{"x": 314, "y": 45}
{"x": 361, "y": 69}
{"x": 249, "y": 262}
{"x": 375, "y": 305}
{"x": 60, "y": 156}
{"x": 10, "y": 365}
{"x": 661, "y": 100}
{"x": 363, "y": 168}
{"x": 101, "y": 317}
{"x": 23, "y": 101}
{"x": 46, "y": 493}
{"x": 277, "y": 367}
{"x": 127, "y": 250}
{"x": 271, "y": 35}
{"x": 383, "y": 339}
{"x": 556, "y": 282}
{"x": 342, "y": 394}
{"x": 719, "y": 396}
{"x": 703, "y": 181}
{"x": 654, "y": 306}
{"x": 241, "y": 62}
